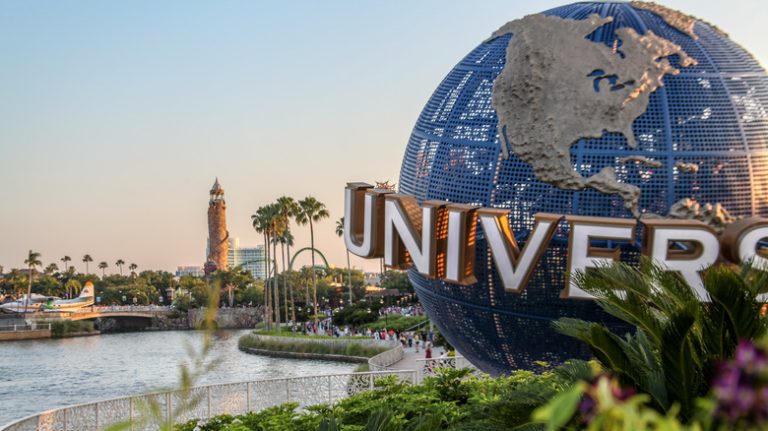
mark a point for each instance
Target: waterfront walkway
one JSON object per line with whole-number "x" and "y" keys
{"x": 409, "y": 361}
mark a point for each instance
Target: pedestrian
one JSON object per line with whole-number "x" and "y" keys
{"x": 428, "y": 351}
{"x": 417, "y": 341}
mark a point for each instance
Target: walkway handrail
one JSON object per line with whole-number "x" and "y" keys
{"x": 428, "y": 367}
{"x": 384, "y": 360}
{"x": 416, "y": 326}
{"x": 213, "y": 400}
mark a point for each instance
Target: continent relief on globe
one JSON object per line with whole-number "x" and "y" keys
{"x": 558, "y": 87}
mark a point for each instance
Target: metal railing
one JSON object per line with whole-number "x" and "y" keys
{"x": 428, "y": 367}
{"x": 26, "y": 327}
{"x": 384, "y": 360}
{"x": 208, "y": 401}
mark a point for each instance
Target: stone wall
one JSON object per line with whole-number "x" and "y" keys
{"x": 226, "y": 318}
{"x": 25, "y": 335}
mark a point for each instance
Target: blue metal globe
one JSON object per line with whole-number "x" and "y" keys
{"x": 711, "y": 115}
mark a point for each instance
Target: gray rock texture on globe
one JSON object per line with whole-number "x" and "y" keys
{"x": 594, "y": 109}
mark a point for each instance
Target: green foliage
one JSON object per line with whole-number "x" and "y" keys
{"x": 454, "y": 400}
{"x": 396, "y": 322}
{"x": 251, "y": 295}
{"x": 283, "y": 332}
{"x": 606, "y": 411}
{"x": 394, "y": 279}
{"x": 560, "y": 410}
{"x": 449, "y": 384}
{"x": 678, "y": 340}
{"x": 350, "y": 348}
{"x": 62, "y": 327}
{"x": 358, "y": 314}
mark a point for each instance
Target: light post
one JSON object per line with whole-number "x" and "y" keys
{"x": 386, "y": 313}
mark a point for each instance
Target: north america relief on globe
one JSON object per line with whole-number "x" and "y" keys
{"x": 547, "y": 98}
{"x": 600, "y": 109}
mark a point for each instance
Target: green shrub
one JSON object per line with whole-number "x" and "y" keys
{"x": 63, "y": 327}
{"x": 452, "y": 401}
{"x": 678, "y": 340}
{"x": 351, "y": 348}
{"x": 396, "y": 322}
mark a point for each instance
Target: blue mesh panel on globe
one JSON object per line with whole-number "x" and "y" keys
{"x": 712, "y": 115}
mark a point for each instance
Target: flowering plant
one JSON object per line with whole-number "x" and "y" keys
{"x": 740, "y": 388}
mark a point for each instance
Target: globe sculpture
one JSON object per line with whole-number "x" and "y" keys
{"x": 593, "y": 109}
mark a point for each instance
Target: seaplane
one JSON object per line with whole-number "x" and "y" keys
{"x": 50, "y": 304}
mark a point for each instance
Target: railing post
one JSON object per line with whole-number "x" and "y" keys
{"x": 287, "y": 390}
{"x": 209, "y": 402}
{"x": 168, "y": 409}
{"x": 248, "y": 397}
{"x": 330, "y": 397}
{"x": 370, "y": 381}
{"x": 65, "y": 420}
{"x": 130, "y": 415}
{"x": 97, "y": 416}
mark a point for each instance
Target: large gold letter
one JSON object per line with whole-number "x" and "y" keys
{"x": 661, "y": 233}
{"x": 403, "y": 245}
{"x": 460, "y": 245}
{"x": 363, "y": 235}
{"x": 515, "y": 267}
{"x": 581, "y": 254}
{"x": 740, "y": 242}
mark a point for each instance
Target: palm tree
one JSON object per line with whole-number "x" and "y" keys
{"x": 119, "y": 264}
{"x": 103, "y": 266}
{"x": 311, "y": 210}
{"x": 87, "y": 258}
{"x": 132, "y": 267}
{"x": 287, "y": 208}
{"x": 66, "y": 259}
{"x": 286, "y": 241}
{"x": 340, "y": 232}
{"x": 276, "y": 228}
{"x": 32, "y": 261}
{"x": 679, "y": 340}
{"x": 51, "y": 268}
{"x": 73, "y": 286}
{"x": 261, "y": 224}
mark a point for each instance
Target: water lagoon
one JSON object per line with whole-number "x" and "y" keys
{"x": 43, "y": 374}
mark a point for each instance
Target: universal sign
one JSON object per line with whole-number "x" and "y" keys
{"x": 437, "y": 239}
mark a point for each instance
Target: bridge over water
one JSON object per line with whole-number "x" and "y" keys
{"x": 86, "y": 313}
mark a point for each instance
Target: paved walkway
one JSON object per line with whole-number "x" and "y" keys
{"x": 409, "y": 361}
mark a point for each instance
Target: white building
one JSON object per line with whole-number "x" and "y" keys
{"x": 195, "y": 271}
{"x": 250, "y": 258}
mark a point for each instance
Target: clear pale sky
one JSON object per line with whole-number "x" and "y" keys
{"x": 115, "y": 117}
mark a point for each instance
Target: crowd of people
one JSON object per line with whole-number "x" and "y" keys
{"x": 411, "y": 310}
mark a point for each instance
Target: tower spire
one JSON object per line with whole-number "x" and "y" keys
{"x": 218, "y": 236}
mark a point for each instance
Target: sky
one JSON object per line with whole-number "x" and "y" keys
{"x": 116, "y": 117}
